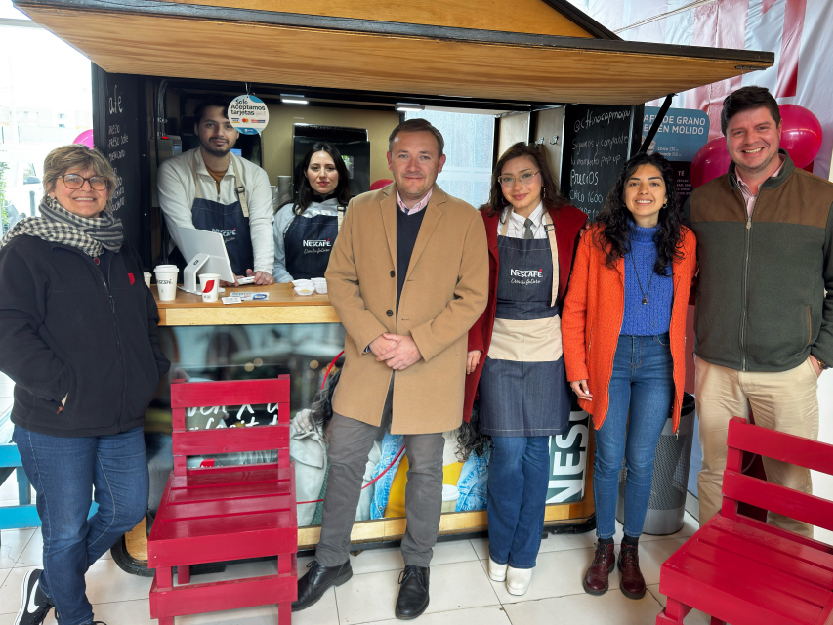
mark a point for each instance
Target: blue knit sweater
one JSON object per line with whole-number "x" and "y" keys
{"x": 654, "y": 317}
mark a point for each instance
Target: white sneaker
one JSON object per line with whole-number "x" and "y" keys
{"x": 497, "y": 572}
{"x": 517, "y": 580}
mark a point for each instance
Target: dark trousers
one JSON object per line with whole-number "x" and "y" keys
{"x": 350, "y": 443}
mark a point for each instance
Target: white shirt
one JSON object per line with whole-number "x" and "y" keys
{"x": 516, "y": 223}
{"x": 177, "y": 191}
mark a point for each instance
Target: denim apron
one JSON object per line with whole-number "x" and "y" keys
{"x": 308, "y": 242}
{"x": 231, "y": 220}
{"x": 523, "y": 386}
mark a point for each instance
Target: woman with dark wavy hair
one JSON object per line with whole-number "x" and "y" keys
{"x": 624, "y": 347}
{"x": 524, "y": 399}
{"x": 305, "y": 230}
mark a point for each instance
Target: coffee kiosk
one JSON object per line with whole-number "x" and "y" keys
{"x": 528, "y": 65}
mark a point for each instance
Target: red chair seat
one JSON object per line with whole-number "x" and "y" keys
{"x": 224, "y": 515}
{"x": 747, "y": 573}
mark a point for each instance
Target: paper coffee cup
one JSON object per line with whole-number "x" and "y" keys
{"x": 450, "y": 496}
{"x": 210, "y": 286}
{"x": 147, "y": 278}
{"x": 166, "y": 282}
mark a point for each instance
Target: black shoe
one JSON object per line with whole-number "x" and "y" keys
{"x": 413, "y": 592}
{"x": 313, "y": 585}
{"x": 34, "y": 604}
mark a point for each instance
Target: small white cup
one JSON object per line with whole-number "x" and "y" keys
{"x": 304, "y": 290}
{"x": 166, "y": 282}
{"x": 320, "y": 285}
{"x": 147, "y": 278}
{"x": 210, "y": 286}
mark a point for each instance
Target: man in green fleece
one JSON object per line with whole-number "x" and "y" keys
{"x": 763, "y": 324}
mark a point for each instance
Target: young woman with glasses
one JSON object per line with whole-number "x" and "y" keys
{"x": 624, "y": 348}
{"x": 515, "y": 353}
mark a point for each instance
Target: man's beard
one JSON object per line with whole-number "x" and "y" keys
{"x": 218, "y": 152}
{"x": 762, "y": 167}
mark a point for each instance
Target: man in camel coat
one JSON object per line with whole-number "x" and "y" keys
{"x": 408, "y": 277}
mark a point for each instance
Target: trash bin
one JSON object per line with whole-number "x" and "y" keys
{"x": 669, "y": 485}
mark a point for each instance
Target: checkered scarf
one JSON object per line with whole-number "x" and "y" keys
{"x": 57, "y": 224}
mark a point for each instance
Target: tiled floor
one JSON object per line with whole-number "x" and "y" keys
{"x": 461, "y": 592}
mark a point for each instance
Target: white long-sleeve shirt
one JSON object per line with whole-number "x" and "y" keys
{"x": 283, "y": 219}
{"x": 177, "y": 191}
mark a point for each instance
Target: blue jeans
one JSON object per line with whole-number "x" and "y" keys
{"x": 63, "y": 472}
{"x": 642, "y": 385}
{"x": 518, "y": 479}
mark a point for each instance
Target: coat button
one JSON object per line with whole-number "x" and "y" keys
{"x": 390, "y": 313}
{"x": 392, "y": 274}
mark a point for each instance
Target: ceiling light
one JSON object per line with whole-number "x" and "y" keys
{"x": 287, "y": 98}
{"x": 409, "y": 107}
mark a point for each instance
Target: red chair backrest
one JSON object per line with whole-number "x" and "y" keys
{"x": 185, "y": 395}
{"x": 779, "y": 499}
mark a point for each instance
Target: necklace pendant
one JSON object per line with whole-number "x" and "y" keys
{"x": 644, "y": 300}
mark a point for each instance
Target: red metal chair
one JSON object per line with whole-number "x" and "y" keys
{"x": 742, "y": 571}
{"x": 218, "y": 514}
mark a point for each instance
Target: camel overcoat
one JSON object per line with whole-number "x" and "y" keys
{"x": 444, "y": 293}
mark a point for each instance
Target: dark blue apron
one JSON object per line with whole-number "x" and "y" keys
{"x": 231, "y": 220}
{"x": 308, "y": 242}
{"x": 525, "y": 398}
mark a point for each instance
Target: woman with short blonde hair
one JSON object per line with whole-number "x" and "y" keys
{"x": 78, "y": 330}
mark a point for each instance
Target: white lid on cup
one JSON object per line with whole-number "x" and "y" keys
{"x": 166, "y": 269}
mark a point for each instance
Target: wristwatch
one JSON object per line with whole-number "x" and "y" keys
{"x": 822, "y": 365}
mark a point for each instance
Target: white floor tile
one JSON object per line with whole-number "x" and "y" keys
{"x": 372, "y": 596}
{"x": 612, "y": 608}
{"x": 653, "y": 554}
{"x": 557, "y": 574}
{"x": 492, "y": 615}
{"x": 324, "y": 612}
{"x": 122, "y": 613}
{"x": 107, "y": 583}
{"x": 10, "y": 590}
{"x": 4, "y": 573}
{"x": 12, "y": 544}
{"x": 695, "y": 617}
{"x": 374, "y": 560}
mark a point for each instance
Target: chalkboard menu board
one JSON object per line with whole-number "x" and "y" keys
{"x": 118, "y": 119}
{"x": 597, "y": 144}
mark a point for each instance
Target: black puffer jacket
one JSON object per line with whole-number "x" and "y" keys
{"x": 67, "y": 328}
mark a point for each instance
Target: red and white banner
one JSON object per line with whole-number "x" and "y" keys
{"x": 794, "y": 30}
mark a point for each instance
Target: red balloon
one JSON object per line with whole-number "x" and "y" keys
{"x": 800, "y": 133}
{"x": 710, "y": 162}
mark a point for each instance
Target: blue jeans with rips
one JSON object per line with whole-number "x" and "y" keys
{"x": 64, "y": 472}
{"x": 640, "y": 396}
{"x": 518, "y": 478}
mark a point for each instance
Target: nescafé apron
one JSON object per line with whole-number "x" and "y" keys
{"x": 230, "y": 220}
{"x": 523, "y": 386}
{"x": 308, "y": 242}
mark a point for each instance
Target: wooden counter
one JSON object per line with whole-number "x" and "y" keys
{"x": 283, "y": 306}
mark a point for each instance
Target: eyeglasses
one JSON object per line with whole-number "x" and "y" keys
{"x": 74, "y": 181}
{"x": 509, "y": 181}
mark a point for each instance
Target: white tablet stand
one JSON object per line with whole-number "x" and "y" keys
{"x": 190, "y": 276}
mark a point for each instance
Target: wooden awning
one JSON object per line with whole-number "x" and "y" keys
{"x": 207, "y": 41}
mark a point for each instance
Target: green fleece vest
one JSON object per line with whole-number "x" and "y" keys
{"x": 760, "y": 302}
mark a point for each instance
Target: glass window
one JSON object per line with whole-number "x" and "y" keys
{"x": 469, "y": 148}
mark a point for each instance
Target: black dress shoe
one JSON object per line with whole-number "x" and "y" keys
{"x": 413, "y": 592}
{"x": 313, "y": 585}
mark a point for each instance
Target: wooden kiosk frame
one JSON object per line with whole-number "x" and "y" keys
{"x": 446, "y": 53}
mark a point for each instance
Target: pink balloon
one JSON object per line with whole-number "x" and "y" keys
{"x": 85, "y": 138}
{"x": 800, "y": 133}
{"x": 710, "y": 162}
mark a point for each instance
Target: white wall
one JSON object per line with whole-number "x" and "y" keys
{"x": 823, "y": 484}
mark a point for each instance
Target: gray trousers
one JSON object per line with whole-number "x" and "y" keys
{"x": 350, "y": 443}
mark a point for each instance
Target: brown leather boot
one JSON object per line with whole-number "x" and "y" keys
{"x": 631, "y": 582}
{"x": 595, "y": 579}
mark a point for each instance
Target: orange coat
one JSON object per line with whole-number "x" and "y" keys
{"x": 593, "y": 313}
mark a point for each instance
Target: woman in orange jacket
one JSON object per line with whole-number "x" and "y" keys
{"x": 624, "y": 347}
